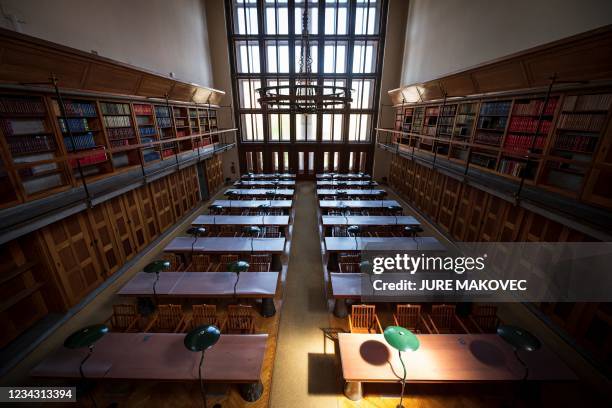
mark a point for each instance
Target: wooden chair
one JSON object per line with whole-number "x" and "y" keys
{"x": 176, "y": 261}
{"x": 409, "y": 316}
{"x": 443, "y": 319}
{"x": 363, "y": 319}
{"x": 201, "y": 315}
{"x": 339, "y": 232}
{"x": 227, "y": 231}
{"x": 200, "y": 263}
{"x": 240, "y": 320}
{"x": 349, "y": 258}
{"x": 124, "y": 319}
{"x": 272, "y": 232}
{"x": 225, "y": 262}
{"x": 169, "y": 319}
{"x": 484, "y": 318}
{"x": 259, "y": 267}
{"x": 349, "y": 268}
{"x": 260, "y": 258}
{"x": 384, "y": 231}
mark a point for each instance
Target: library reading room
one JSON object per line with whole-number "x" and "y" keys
{"x": 306, "y": 203}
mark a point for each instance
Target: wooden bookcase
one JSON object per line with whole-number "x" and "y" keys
{"x": 561, "y": 146}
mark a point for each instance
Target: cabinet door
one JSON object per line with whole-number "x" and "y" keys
{"x": 192, "y": 187}
{"x": 105, "y": 240}
{"x": 72, "y": 250}
{"x": 511, "y": 224}
{"x": 448, "y": 202}
{"x": 122, "y": 225}
{"x": 161, "y": 203}
{"x": 434, "y": 191}
{"x": 491, "y": 224}
{"x": 176, "y": 193}
{"x": 147, "y": 210}
{"x": 135, "y": 219}
{"x": 478, "y": 203}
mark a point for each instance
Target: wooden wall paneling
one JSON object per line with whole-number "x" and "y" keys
{"x": 176, "y": 193}
{"x": 120, "y": 220}
{"x": 71, "y": 248}
{"x": 136, "y": 219}
{"x": 145, "y": 202}
{"x": 160, "y": 196}
{"x": 593, "y": 329}
{"x": 511, "y": 223}
{"x": 192, "y": 186}
{"x": 598, "y": 189}
{"x": 105, "y": 239}
{"x": 462, "y": 212}
{"x": 434, "y": 190}
{"x": 492, "y": 217}
{"x": 476, "y": 212}
{"x": 21, "y": 289}
{"x": 448, "y": 202}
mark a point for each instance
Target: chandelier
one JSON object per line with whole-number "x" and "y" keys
{"x": 306, "y": 96}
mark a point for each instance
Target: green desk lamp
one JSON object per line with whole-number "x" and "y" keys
{"x": 195, "y": 232}
{"x": 156, "y": 267}
{"x": 401, "y": 339}
{"x": 252, "y": 231}
{"x": 86, "y": 337}
{"x": 201, "y": 339}
{"x": 264, "y": 208}
{"x": 355, "y": 230}
{"x": 394, "y": 209}
{"x": 216, "y": 209}
{"x": 519, "y": 339}
{"x": 237, "y": 267}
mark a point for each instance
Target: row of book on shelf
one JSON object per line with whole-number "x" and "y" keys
{"x": 117, "y": 121}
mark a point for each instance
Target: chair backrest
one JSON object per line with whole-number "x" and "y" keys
{"x": 123, "y": 316}
{"x": 203, "y": 314}
{"x": 200, "y": 263}
{"x": 339, "y": 232}
{"x": 408, "y": 316}
{"x": 226, "y": 261}
{"x": 175, "y": 261}
{"x": 363, "y": 316}
{"x": 443, "y": 316}
{"x": 485, "y": 316}
{"x": 169, "y": 317}
{"x": 239, "y": 317}
{"x": 272, "y": 232}
{"x": 349, "y": 267}
{"x": 259, "y": 267}
{"x": 348, "y": 258}
{"x": 260, "y": 258}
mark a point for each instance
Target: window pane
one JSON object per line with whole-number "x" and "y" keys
{"x": 366, "y": 17}
{"x": 252, "y": 127}
{"x": 278, "y": 56}
{"x": 306, "y": 128}
{"x": 336, "y": 160}
{"x": 249, "y": 161}
{"x": 247, "y": 57}
{"x": 334, "y": 58}
{"x": 310, "y": 162}
{"x": 359, "y": 128}
{"x": 286, "y": 161}
{"x": 313, "y": 56}
{"x": 325, "y": 161}
{"x": 277, "y": 19}
{"x": 334, "y": 82}
{"x": 245, "y": 17}
{"x": 248, "y": 95}
{"x": 280, "y": 127}
{"x": 275, "y": 160}
{"x": 259, "y": 162}
{"x": 351, "y": 163}
{"x": 362, "y": 93}
{"x": 332, "y": 127}
{"x": 336, "y": 20}
{"x": 362, "y": 162}
{"x": 364, "y": 57}
{"x": 301, "y": 161}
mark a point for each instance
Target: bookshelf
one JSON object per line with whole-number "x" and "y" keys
{"x": 28, "y": 137}
{"x": 552, "y": 143}
{"x": 165, "y": 127}
{"x": 145, "y": 120}
{"x": 117, "y": 120}
{"x": 84, "y": 122}
{"x": 182, "y": 126}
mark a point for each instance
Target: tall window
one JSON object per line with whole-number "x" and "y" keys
{"x": 345, "y": 41}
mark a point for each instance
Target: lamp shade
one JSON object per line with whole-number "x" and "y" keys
{"x": 202, "y": 337}
{"x": 157, "y": 266}
{"x": 196, "y": 231}
{"x": 252, "y": 230}
{"x": 216, "y": 207}
{"x": 413, "y": 229}
{"x": 365, "y": 267}
{"x": 382, "y": 193}
{"x": 394, "y": 208}
{"x": 519, "y": 338}
{"x": 401, "y": 339}
{"x": 354, "y": 229}
{"x": 239, "y": 266}
{"x": 266, "y": 205}
{"x": 230, "y": 193}
{"x": 270, "y": 193}
{"x": 86, "y": 336}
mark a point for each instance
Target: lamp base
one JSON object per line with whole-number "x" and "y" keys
{"x": 251, "y": 392}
